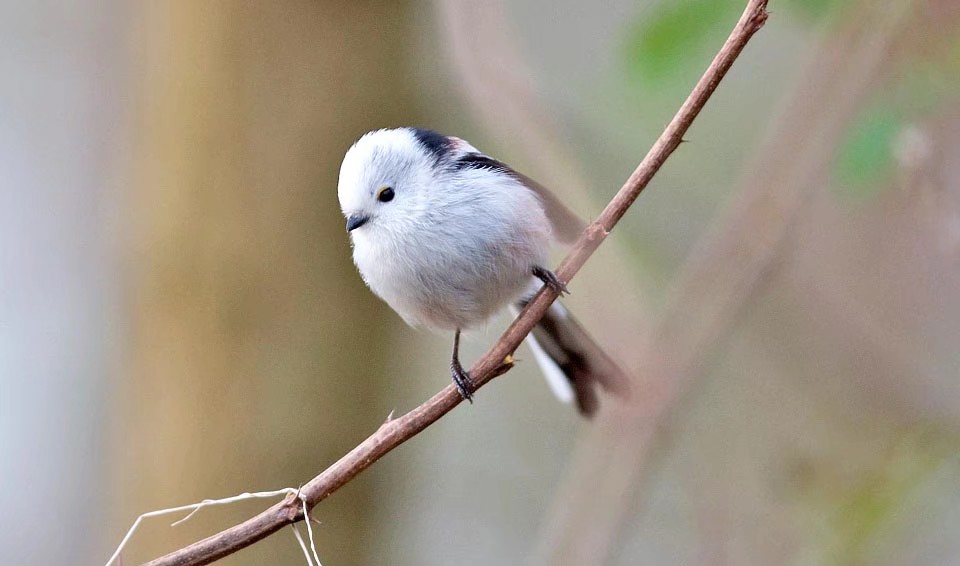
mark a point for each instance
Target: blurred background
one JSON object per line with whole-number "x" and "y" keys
{"x": 180, "y": 318}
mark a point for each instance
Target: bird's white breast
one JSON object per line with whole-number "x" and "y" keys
{"x": 463, "y": 258}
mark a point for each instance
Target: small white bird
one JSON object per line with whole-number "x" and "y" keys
{"x": 449, "y": 237}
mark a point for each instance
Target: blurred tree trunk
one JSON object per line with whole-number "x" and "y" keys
{"x": 254, "y": 345}
{"x": 62, "y": 78}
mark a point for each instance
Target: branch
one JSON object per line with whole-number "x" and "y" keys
{"x": 496, "y": 361}
{"x": 718, "y": 279}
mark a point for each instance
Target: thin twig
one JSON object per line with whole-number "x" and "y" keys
{"x": 395, "y": 432}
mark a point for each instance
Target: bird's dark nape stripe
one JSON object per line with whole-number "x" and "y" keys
{"x": 437, "y": 144}
{"x": 481, "y": 161}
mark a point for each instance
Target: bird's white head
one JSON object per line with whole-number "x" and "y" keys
{"x": 386, "y": 175}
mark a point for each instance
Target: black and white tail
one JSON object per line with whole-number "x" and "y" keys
{"x": 574, "y": 365}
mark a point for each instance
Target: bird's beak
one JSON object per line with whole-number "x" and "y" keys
{"x": 355, "y": 221}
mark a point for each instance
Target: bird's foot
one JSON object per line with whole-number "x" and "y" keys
{"x": 551, "y": 280}
{"x": 462, "y": 380}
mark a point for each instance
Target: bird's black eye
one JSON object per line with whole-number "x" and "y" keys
{"x": 385, "y": 194}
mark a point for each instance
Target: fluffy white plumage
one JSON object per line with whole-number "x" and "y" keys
{"x": 449, "y": 237}
{"x": 457, "y": 242}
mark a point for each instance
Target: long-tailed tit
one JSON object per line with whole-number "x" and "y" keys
{"x": 448, "y": 237}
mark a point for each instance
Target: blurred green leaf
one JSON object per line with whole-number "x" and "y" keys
{"x": 866, "y": 157}
{"x": 672, "y": 38}
{"x": 813, "y": 10}
{"x": 865, "y": 160}
{"x": 886, "y": 495}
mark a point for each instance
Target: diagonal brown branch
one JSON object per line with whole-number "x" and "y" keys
{"x": 395, "y": 432}
{"x": 717, "y": 281}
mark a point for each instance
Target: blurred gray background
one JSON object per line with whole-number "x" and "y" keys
{"x": 180, "y": 318}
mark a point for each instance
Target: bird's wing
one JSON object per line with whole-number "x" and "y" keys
{"x": 565, "y": 223}
{"x": 567, "y": 226}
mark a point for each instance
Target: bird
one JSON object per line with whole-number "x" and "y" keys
{"x": 449, "y": 237}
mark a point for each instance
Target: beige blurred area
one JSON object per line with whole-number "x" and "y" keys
{"x": 249, "y": 330}
{"x": 180, "y": 318}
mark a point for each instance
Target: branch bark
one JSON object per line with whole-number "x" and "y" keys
{"x": 395, "y": 432}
